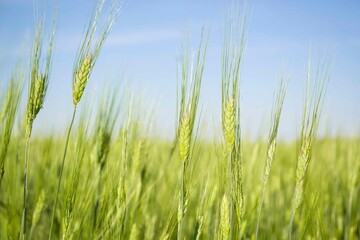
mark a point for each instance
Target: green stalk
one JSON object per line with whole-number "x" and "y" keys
{"x": 347, "y": 233}
{"x": 182, "y": 201}
{"x": 271, "y": 148}
{"x": 231, "y": 194}
{"x": 97, "y": 201}
{"x": 292, "y": 216}
{"x": 259, "y": 213}
{"x": 61, "y": 171}
{"x": 24, "y": 214}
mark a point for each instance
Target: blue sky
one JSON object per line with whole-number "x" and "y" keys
{"x": 145, "y": 40}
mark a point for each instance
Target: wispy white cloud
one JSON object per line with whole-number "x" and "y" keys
{"x": 65, "y": 42}
{"x": 142, "y": 37}
{"x": 70, "y": 42}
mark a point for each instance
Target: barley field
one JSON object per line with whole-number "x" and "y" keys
{"x": 107, "y": 174}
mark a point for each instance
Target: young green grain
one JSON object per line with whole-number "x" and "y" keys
{"x": 37, "y": 92}
{"x": 84, "y": 64}
{"x": 232, "y": 51}
{"x": 224, "y": 219}
{"x": 191, "y": 79}
{"x": 314, "y": 98}
{"x": 271, "y": 147}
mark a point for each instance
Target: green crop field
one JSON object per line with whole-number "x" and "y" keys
{"x": 107, "y": 176}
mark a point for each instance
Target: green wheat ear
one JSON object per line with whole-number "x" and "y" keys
{"x": 90, "y": 47}
{"x": 8, "y": 112}
{"x": 35, "y": 103}
{"x": 224, "y": 219}
{"x": 81, "y": 78}
{"x": 232, "y": 53}
{"x": 314, "y": 99}
{"x": 229, "y": 123}
{"x": 184, "y": 137}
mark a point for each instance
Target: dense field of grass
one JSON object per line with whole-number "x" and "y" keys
{"x": 109, "y": 177}
{"x": 141, "y": 201}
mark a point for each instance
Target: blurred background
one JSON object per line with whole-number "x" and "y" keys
{"x": 144, "y": 43}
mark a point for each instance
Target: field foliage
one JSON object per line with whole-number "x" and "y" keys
{"x": 108, "y": 176}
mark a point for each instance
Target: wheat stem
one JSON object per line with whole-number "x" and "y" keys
{"x": 182, "y": 202}
{"x": 24, "y": 214}
{"x": 292, "y": 216}
{"x": 61, "y": 171}
{"x": 231, "y": 192}
{"x": 271, "y": 147}
{"x": 259, "y": 212}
